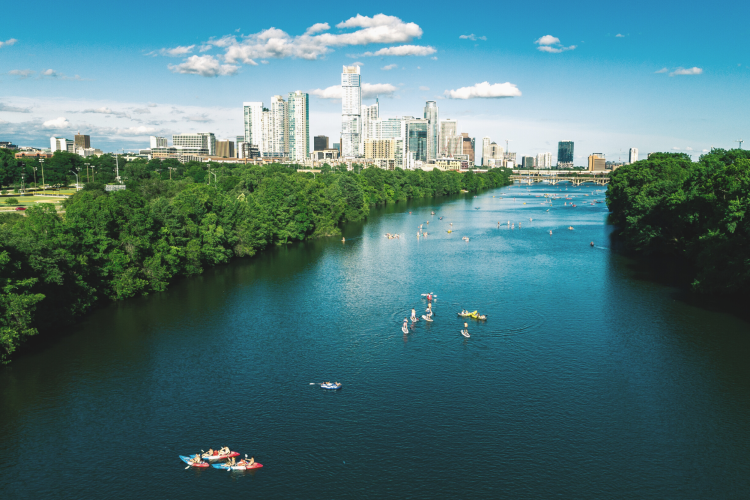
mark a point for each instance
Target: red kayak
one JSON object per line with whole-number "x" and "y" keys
{"x": 188, "y": 461}
{"x": 216, "y": 456}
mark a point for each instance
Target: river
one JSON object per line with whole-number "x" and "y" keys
{"x": 588, "y": 380}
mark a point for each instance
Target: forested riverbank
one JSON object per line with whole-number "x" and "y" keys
{"x": 697, "y": 213}
{"x": 115, "y": 245}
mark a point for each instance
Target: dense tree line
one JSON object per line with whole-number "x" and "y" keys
{"x": 114, "y": 245}
{"x": 698, "y": 212}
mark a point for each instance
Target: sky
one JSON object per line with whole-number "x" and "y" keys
{"x": 658, "y": 76}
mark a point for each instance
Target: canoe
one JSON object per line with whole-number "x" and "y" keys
{"x": 331, "y": 387}
{"x": 221, "y": 457}
{"x": 187, "y": 461}
{"x": 256, "y": 465}
{"x": 426, "y": 318}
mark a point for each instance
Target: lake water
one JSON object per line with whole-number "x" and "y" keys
{"x": 588, "y": 380}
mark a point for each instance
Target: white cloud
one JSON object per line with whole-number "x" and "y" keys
{"x": 106, "y": 111}
{"x": 663, "y": 70}
{"x": 137, "y": 131}
{"x": 687, "y": 71}
{"x": 152, "y": 105}
{"x": 434, "y": 58}
{"x": 552, "y": 45}
{"x": 358, "y": 63}
{"x": 676, "y": 148}
{"x": 207, "y": 66}
{"x": 368, "y": 90}
{"x": 403, "y": 50}
{"x": 8, "y": 43}
{"x": 423, "y": 88}
{"x": 472, "y": 37}
{"x": 60, "y": 123}
{"x": 142, "y": 111}
{"x": 205, "y": 47}
{"x": 49, "y": 72}
{"x": 548, "y": 40}
{"x": 619, "y": 36}
{"x": 689, "y": 148}
{"x": 13, "y": 109}
{"x": 21, "y": 73}
{"x": 200, "y": 118}
{"x": 389, "y": 67}
{"x": 484, "y": 91}
{"x": 178, "y": 51}
{"x": 317, "y": 28}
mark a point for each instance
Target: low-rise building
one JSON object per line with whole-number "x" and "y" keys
{"x": 597, "y": 162}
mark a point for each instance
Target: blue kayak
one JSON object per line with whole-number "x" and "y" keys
{"x": 187, "y": 461}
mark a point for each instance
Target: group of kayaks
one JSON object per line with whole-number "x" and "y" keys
{"x": 206, "y": 460}
{"x": 473, "y": 315}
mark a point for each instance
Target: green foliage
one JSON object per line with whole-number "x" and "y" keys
{"x": 668, "y": 205}
{"x": 11, "y": 201}
{"x": 115, "y": 245}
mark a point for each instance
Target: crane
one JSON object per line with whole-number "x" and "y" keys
{"x": 740, "y": 141}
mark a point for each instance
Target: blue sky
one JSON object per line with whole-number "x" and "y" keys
{"x": 654, "y": 75}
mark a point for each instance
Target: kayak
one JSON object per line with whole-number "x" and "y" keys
{"x": 465, "y": 333}
{"x": 426, "y": 318}
{"x": 256, "y": 465}
{"x": 221, "y": 457}
{"x": 469, "y": 315}
{"x": 331, "y": 387}
{"x": 405, "y": 329}
{"x": 187, "y": 461}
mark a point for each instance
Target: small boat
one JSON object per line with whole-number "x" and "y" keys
{"x": 449, "y": 231}
{"x": 465, "y": 333}
{"x": 256, "y": 465}
{"x": 440, "y": 218}
{"x": 188, "y": 461}
{"x": 432, "y": 213}
{"x": 331, "y": 387}
{"x": 426, "y": 318}
{"x": 468, "y": 314}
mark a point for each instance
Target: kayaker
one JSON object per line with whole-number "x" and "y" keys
{"x": 231, "y": 462}
{"x": 251, "y": 462}
{"x": 196, "y": 459}
{"x": 209, "y": 453}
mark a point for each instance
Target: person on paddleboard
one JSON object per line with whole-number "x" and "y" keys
{"x": 466, "y": 327}
{"x": 429, "y": 310}
{"x": 413, "y": 315}
{"x": 406, "y": 324}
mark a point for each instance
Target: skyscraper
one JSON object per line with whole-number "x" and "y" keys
{"x": 433, "y": 129}
{"x": 449, "y": 144}
{"x": 565, "y": 154}
{"x": 468, "y": 147}
{"x": 415, "y": 140}
{"x": 544, "y": 160}
{"x": 320, "y": 142}
{"x": 253, "y": 114}
{"x": 298, "y": 118}
{"x": 82, "y": 141}
{"x": 485, "y": 151}
{"x": 368, "y": 115}
{"x": 633, "y": 156}
{"x": 351, "y": 104}
{"x": 157, "y": 142}
{"x": 280, "y": 127}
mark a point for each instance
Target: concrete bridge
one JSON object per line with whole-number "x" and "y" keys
{"x": 557, "y": 176}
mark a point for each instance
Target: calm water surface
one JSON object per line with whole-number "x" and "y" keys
{"x": 587, "y": 381}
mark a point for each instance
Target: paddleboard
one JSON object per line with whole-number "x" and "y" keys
{"x": 426, "y": 318}
{"x": 465, "y": 333}
{"x": 187, "y": 461}
{"x": 404, "y": 329}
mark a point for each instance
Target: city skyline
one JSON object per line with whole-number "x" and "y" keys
{"x": 652, "y": 88}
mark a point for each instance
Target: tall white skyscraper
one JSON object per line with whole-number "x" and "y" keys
{"x": 298, "y": 119}
{"x": 433, "y": 129}
{"x": 544, "y": 160}
{"x": 253, "y": 114}
{"x": 368, "y": 115}
{"x": 451, "y": 142}
{"x": 280, "y": 127}
{"x": 157, "y": 142}
{"x": 633, "y": 156}
{"x": 351, "y": 107}
{"x": 485, "y": 151}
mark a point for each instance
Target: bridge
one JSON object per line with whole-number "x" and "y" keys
{"x": 575, "y": 177}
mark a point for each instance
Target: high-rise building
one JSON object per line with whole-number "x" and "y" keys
{"x": 368, "y": 115}
{"x": 280, "y": 128}
{"x": 253, "y": 114}
{"x": 485, "y": 151}
{"x": 527, "y": 162}
{"x": 298, "y": 119}
{"x": 633, "y": 156}
{"x": 544, "y": 160}
{"x": 200, "y": 144}
{"x": 351, "y": 107}
{"x": 157, "y": 142}
{"x": 337, "y": 146}
{"x": 383, "y": 152}
{"x": 82, "y": 141}
{"x": 57, "y": 144}
{"x": 414, "y": 133}
{"x": 320, "y": 142}
{"x": 433, "y": 129}
{"x": 597, "y": 162}
{"x": 451, "y": 143}
{"x": 565, "y": 154}
{"x": 266, "y": 141}
{"x": 225, "y": 149}
{"x": 468, "y": 147}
